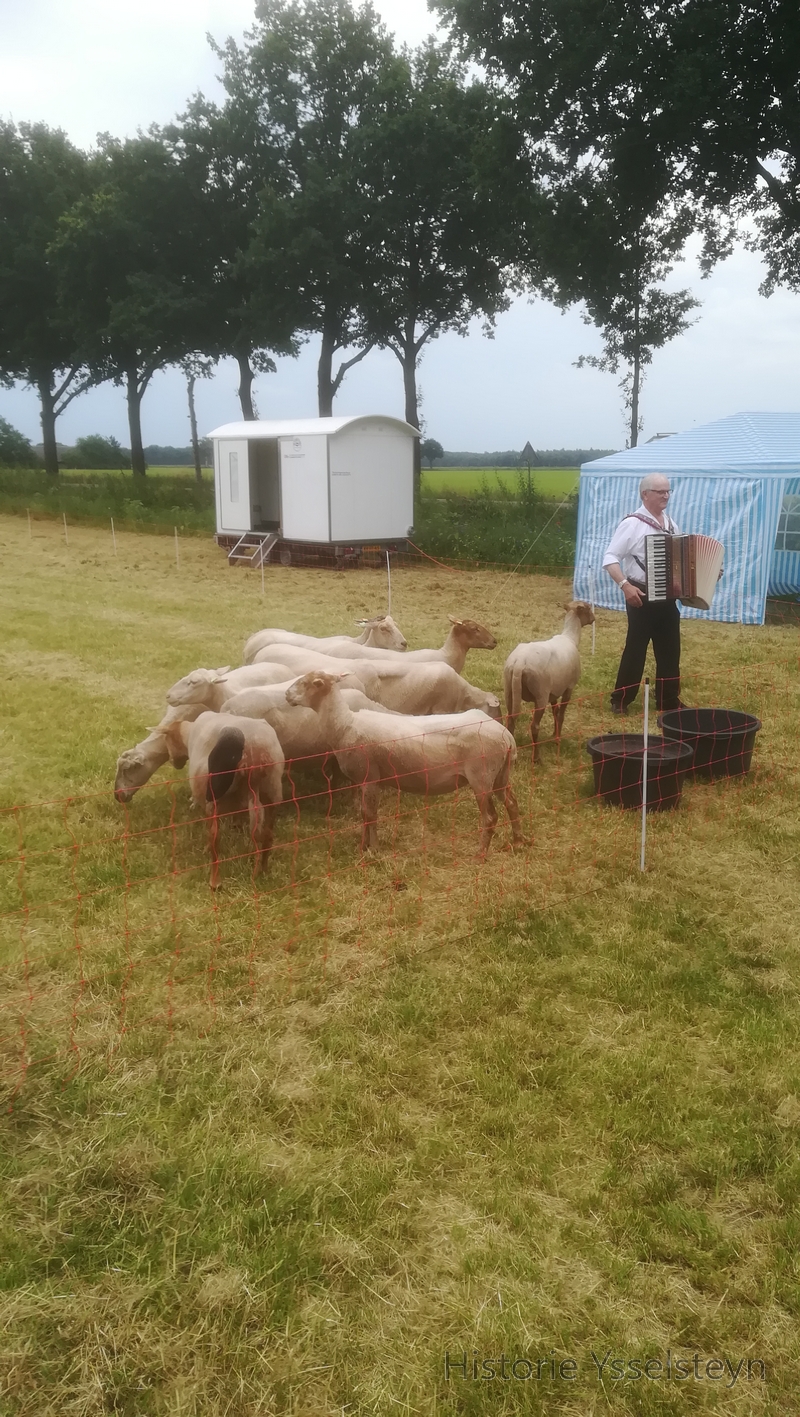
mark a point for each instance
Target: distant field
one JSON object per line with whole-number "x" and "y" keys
{"x": 550, "y": 481}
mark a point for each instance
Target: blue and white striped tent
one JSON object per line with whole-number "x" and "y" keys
{"x": 737, "y": 479}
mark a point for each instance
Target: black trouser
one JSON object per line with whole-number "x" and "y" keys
{"x": 659, "y": 621}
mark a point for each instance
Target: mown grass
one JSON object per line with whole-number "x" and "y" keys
{"x": 550, "y": 482}
{"x": 279, "y": 1150}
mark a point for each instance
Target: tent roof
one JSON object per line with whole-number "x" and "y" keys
{"x": 744, "y": 442}
{"x": 303, "y": 427}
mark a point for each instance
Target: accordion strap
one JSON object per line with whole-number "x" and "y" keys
{"x": 651, "y": 521}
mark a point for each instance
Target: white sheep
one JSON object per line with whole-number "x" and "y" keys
{"x": 235, "y": 761}
{"x": 396, "y": 682}
{"x": 211, "y": 687}
{"x": 423, "y": 755}
{"x": 463, "y": 636}
{"x": 383, "y": 633}
{"x": 299, "y": 730}
{"x": 136, "y": 765}
{"x": 546, "y": 672}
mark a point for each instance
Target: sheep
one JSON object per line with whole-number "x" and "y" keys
{"x": 136, "y": 765}
{"x": 383, "y": 633}
{"x": 427, "y": 755}
{"x": 394, "y": 682}
{"x": 232, "y": 759}
{"x": 464, "y": 635}
{"x": 299, "y": 730}
{"x": 546, "y": 671}
{"x": 211, "y": 687}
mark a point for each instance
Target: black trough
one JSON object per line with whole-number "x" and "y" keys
{"x": 721, "y": 739}
{"x": 617, "y": 761}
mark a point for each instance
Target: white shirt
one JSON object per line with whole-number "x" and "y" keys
{"x": 626, "y": 546}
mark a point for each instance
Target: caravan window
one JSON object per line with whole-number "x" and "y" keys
{"x": 788, "y": 538}
{"x": 233, "y": 468}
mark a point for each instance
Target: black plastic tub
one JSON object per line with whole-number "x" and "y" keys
{"x": 721, "y": 739}
{"x": 617, "y": 762}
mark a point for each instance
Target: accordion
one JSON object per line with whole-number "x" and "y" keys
{"x": 684, "y": 568}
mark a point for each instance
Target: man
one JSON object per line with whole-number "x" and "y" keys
{"x": 656, "y": 620}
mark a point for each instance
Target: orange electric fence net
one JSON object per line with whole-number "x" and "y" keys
{"x": 114, "y": 937}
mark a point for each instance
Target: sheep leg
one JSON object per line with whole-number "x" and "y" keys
{"x": 558, "y": 714}
{"x": 512, "y": 808}
{"x": 261, "y": 832}
{"x": 536, "y": 718}
{"x": 488, "y": 813}
{"x": 370, "y": 797}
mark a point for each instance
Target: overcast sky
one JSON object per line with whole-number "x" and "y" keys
{"x": 91, "y": 66}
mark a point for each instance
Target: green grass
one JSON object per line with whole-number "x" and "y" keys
{"x": 278, "y": 1150}
{"x": 551, "y": 482}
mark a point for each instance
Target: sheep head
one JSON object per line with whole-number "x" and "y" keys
{"x": 384, "y": 633}
{"x": 310, "y": 689}
{"x": 135, "y": 767}
{"x": 194, "y": 687}
{"x": 472, "y": 634}
{"x": 584, "y": 612}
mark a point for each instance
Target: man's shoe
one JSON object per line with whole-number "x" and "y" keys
{"x": 621, "y": 710}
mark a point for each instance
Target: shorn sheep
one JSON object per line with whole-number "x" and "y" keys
{"x": 400, "y": 685}
{"x": 464, "y": 635}
{"x": 423, "y": 755}
{"x": 233, "y": 761}
{"x": 211, "y": 687}
{"x": 136, "y": 765}
{"x": 300, "y": 732}
{"x": 381, "y": 633}
{"x": 546, "y": 672}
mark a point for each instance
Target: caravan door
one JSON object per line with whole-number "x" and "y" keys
{"x": 305, "y": 514}
{"x": 233, "y": 485}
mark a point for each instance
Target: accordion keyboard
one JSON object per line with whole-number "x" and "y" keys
{"x": 656, "y": 559}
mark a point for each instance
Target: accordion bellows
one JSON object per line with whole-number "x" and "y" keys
{"x": 684, "y": 568}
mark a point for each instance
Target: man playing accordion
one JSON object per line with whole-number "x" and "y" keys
{"x": 656, "y": 620}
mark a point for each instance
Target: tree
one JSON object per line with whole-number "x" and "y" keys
{"x": 95, "y": 451}
{"x": 430, "y": 450}
{"x": 232, "y": 170}
{"x": 194, "y": 367}
{"x": 440, "y": 226}
{"x": 41, "y": 176}
{"x": 305, "y": 79}
{"x": 614, "y": 257}
{"x": 696, "y": 101}
{"x": 130, "y": 264}
{"x": 15, "y": 448}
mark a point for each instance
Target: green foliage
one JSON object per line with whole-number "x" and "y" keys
{"x": 498, "y": 524}
{"x": 431, "y": 451}
{"x": 95, "y": 451}
{"x": 147, "y": 504}
{"x": 15, "y": 449}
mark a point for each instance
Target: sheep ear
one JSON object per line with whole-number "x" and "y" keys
{"x": 453, "y": 620}
{"x": 226, "y": 669}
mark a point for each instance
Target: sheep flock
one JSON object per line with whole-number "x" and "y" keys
{"x": 388, "y": 716}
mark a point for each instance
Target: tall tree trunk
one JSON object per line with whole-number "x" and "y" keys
{"x": 409, "y": 363}
{"x": 48, "y": 419}
{"x": 135, "y": 423}
{"x": 198, "y": 470}
{"x": 325, "y": 373}
{"x": 246, "y": 377}
{"x": 635, "y": 399}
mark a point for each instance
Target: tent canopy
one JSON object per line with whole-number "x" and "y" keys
{"x": 737, "y": 479}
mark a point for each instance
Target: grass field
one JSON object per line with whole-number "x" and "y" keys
{"x": 281, "y": 1149}
{"x": 554, "y": 482}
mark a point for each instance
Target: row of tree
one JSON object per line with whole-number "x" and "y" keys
{"x": 376, "y": 196}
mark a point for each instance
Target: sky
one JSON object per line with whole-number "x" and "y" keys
{"x": 91, "y": 66}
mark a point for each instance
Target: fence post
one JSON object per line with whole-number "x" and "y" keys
{"x": 66, "y": 534}
{"x": 389, "y": 582}
{"x": 177, "y": 553}
{"x": 113, "y": 536}
{"x": 594, "y": 627}
{"x": 644, "y": 772}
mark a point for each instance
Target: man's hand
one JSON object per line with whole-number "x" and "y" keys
{"x": 632, "y": 595}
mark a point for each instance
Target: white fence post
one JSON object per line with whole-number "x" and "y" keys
{"x": 113, "y": 536}
{"x": 594, "y": 627}
{"x": 177, "y": 553}
{"x": 389, "y": 582}
{"x": 644, "y": 771}
{"x": 66, "y": 534}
